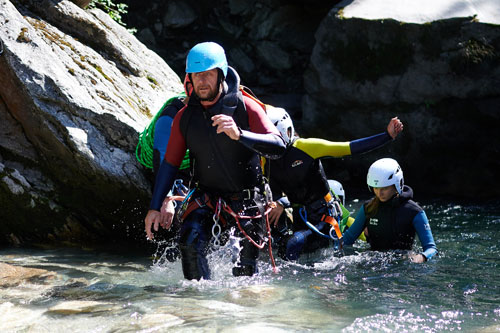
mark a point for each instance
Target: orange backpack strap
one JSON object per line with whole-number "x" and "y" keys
{"x": 249, "y": 93}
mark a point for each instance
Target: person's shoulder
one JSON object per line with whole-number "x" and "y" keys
{"x": 251, "y": 105}
{"x": 173, "y": 107}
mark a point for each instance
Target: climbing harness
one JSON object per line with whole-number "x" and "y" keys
{"x": 221, "y": 205}
{"x": 334, "y": 215}
{"x": 268, "y": 227}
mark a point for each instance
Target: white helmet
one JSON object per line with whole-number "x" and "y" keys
{"x": 337, "y": 189}
{"x": 385, "y": 172}
{"x": 281, "y": 119}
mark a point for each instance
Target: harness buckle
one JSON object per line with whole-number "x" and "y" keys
{"x": 200, "y": 204}
{"x": 247, "y": 194}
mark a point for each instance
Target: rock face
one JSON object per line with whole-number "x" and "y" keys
{"x": 75, "y": 90}
{"x": 441, "y": 78}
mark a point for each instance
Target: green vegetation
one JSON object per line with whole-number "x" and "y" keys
{"x": 114, "y": 10}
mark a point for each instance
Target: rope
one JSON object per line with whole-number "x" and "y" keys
{"x": 268, "y": 227}
{"x": 144, "y": 149}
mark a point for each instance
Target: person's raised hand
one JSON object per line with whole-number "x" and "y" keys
{"x": 226, "y": 124}
{"x": 394, "y": 127}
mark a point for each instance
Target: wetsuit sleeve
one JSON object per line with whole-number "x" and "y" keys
{"x": 263, "y": 137}
{"x": 161, "y": 136}
{"x": 174, "y": 154}
{"x": 366, "y": 144}
{"x": 423, "y": 228}
{"x": 163, "y": 184}
{"x": 356, "y": 227}
{"x": 319, "y": 148}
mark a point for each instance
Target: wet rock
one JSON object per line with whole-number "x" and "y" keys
{"x": 157, "y": 321}
{"x": 74, "y": 307}
{"x": 440, "y": 77}
{"x": 11, "y": 276}
{"x": 75, "y": 90}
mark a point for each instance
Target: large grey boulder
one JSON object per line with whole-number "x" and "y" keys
{"x": 75, "y": 90}
{"x": 436, "y": 66}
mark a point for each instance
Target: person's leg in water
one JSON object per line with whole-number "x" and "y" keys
{"x": 247, "y": 263}
{"x": 193, "y": 244}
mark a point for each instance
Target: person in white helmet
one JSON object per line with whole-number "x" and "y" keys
{"x": 337, "y": 189}
{"x": 391, "y": 218}
{"x": 298, "y": 178}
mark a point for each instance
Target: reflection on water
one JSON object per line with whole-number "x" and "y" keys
{"x": 361, "y": 291}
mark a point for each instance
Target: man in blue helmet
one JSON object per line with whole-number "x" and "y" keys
{"x": 225, "y": 133}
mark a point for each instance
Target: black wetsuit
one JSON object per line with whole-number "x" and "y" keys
{"x": 223, "y": 168}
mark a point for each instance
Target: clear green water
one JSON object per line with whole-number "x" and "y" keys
{"x": 361, "y": 292}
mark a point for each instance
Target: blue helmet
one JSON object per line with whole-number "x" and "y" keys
{"x": 205, "y": 56}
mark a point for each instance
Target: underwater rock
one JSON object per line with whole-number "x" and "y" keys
{"x": 11, "y": 276}
{"x": 73, "y": 307}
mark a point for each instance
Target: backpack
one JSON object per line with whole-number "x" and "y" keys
{"x": 144, "y": 149}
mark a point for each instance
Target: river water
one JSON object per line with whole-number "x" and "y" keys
{"x": 362, "y": 291}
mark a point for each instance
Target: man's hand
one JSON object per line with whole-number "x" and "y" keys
{"x": 167, "y": 213}
{"x": 152, "y": 219}
{"x": 227, "y": 125}
{"x": 395, "y": 127}
{"x": 275, "y": 213}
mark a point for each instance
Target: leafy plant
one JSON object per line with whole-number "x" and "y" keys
{"x": 114, "y": 10}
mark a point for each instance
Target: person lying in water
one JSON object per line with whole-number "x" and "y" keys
{"x": 391, "y": 218}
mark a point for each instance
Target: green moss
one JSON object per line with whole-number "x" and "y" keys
{"x": 99, "y": 69}
{"x": 23, "y": 36}
{"x": 152, "y": 80}
{"x": 71, "y": 71}
{"x": 472, "y": 54}
{"x": 340, "y": 14}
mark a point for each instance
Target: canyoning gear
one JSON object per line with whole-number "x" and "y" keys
{"x": 385, "y": 172}
{"x": 299, "y": 175}
{"x": 219, "y": 163}
{"x": 393, "y": 225}
{"x": 206, "y": 56}
{"x": 337, "y": 189}
{"x": 321, "y": 219}
{"x": 153, "y": 140}
{"x": 283, "y": 122}
{"x": 224, "y": 169}
{"x": 198, "y": 231}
